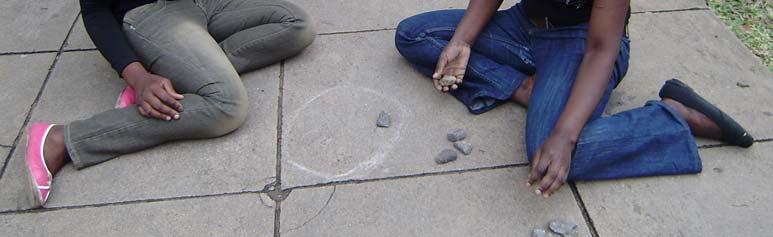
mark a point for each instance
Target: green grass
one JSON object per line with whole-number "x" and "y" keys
{"x": 752, "y": 22}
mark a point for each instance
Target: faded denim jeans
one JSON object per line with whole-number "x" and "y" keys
{"x": 201, "y": 46}
{"x": 647, "y": 141}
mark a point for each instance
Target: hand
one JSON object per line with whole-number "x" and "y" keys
{"x": 452, "y": 62}
{"x": 551, "y": 164}
{"x": 155, "y": 96}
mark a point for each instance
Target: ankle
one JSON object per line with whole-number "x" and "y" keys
{"x": 54, "y": 149}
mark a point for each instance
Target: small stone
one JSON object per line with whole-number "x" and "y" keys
{"x": 447, "y": 80}
{"x": 562, "y": 227}
{"x": 383, "y": 120}
{"x": 457, "y": 135}
{"x": 445, "y": 156}
{"x": 464, "y": 147}
{"x": 766, "y": 113}
{"x": 742, "y": 85}
{"x": 539, "y": 232}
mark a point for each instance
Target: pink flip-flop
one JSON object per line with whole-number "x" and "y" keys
{"x": 126, "y": 98}
{"x": 39, "y": 175}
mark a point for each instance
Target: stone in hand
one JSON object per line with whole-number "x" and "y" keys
{"x": 445, "y": 156}
{"x": 447, "y": 80}
{"x": 457, "y": 135}
{"x": 464, "y": 147}
{"x": 383, "y": 120}
{"x": 562, "y": 227}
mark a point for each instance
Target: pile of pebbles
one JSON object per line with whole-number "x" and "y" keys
{"x": 457, "y": 137}
{"x": 562, "y": 228}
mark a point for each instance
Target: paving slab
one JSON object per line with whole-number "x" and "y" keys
{"x": 79, "y": 37}
{"x": 730, "y": 198}
{"x": 702, "y": 52}
{"x": 659, "y": 5}
{"x": 35, "y": 25}
{"x": 372, "y": 14}
{"x": 239, "y": 215}
{"x": 334, "y": 94}
{"x": 487, "y": 203}
{"x": 84, "y": 84}
{"x": 21, "y": 77}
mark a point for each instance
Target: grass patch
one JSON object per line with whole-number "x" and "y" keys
{"x": 752, "y": 22}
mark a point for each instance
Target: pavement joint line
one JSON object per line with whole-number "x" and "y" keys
{"x": 6, "y": 146}
{"x": 130, "y": 202}
{"x": 279, "y": 124}
{"x": 277, "y": 215}
{"x": 672, "y": 10}
{"x": 80, "y": 50}
{"x": 28, "y": 52}
{"x": 398, "y": 177}
{"x": 355, "y": 31}
{"x": 35, "y": 102}
{"x": 581, "y": 205}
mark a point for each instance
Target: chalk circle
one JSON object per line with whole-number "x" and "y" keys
{"x": 334, "y": 136}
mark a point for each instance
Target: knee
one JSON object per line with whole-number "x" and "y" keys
{"x": 227, "y": 112}
{"x": 302, "y": 28}
{"x": 407, "y": 31}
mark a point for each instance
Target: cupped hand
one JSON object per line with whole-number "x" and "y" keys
{"x": 452, "y": 62}
{"x": 551, "y": 164}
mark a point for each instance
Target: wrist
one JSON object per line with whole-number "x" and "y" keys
{"x": 133, "y": 72}
{"x": 570, "y": 135}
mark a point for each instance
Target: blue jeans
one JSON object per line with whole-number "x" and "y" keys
{"x": 647, "y": 141}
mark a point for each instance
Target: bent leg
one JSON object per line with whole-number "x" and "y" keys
{"x": 171, "y": 40}
{"x": 257, "y": 33}
{"x": 499, "y": 62}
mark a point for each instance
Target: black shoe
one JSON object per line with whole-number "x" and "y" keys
{"x": 732, "y": 132}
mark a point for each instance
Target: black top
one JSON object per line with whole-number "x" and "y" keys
{"x": 562, "y": 12}
{"x": 102, "y": 19}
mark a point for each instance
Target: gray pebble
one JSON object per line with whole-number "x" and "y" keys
{"x": 563, "y": 227}
{"x": 539, "y": 232}
{"x": 447, "y": 80}
{"x": 445, "y": 156}
{"x": 383, "y": 120}
{"x": 464, "y": 147}
{"x": 742, "y": 85}
{"x": 457, "y": 135}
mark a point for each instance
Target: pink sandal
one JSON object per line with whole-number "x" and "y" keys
{"x": 39, "y": 175}
{"x": 126, "y": 98}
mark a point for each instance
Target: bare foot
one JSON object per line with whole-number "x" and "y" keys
{"x": 54, "y": 151}
{"x": 700, "y": 125}
{"x": 523, "y": 93}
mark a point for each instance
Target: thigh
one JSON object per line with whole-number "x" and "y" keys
{"x": 171, "y": 40}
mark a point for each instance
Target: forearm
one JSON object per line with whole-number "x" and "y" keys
{"x": 602, "y": 47}
{"x": 106, "y": 33}
{"x": 588, "y": 89}
{"x": 478, "y": 14}
{"x": 132, "y": 72}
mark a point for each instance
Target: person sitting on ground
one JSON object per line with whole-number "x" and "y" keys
{"x": 181, "y": 61}
{"x": 561, "y": 60}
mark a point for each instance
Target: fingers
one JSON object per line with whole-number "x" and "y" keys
{"x": 548, "y": 179}
{"x": 437, "y": 84}
{"x": 440, "y": 67}
{"x": 169, "y": 89}
{"x": 169, "y": 101}
{"x": 557, "y": 183}
{"x": 537, "y": 168}
{"x": 148, "y": 111}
